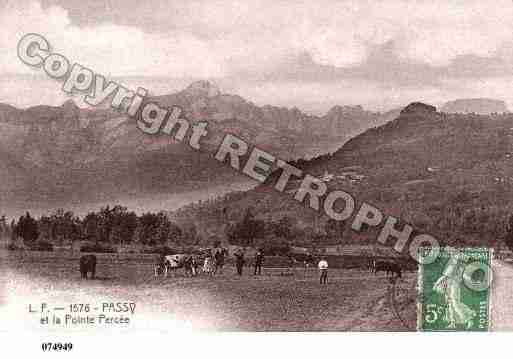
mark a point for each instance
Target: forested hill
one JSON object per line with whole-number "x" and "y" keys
{"x": 450, "y": 175}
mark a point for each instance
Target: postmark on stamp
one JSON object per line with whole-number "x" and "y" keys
{"x": 454, "y": 290}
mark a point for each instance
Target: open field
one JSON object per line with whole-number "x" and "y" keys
{"x": 353, "y": 300}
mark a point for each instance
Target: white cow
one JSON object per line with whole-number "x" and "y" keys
{"x": 173, "y": 262}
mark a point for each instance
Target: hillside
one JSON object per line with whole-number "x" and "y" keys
{"x": 53, "y": 156}
{"x": 447, "y": 175}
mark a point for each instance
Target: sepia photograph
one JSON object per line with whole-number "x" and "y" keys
{"x": 212, "y": 166}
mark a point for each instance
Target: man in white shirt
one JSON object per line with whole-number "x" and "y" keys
{"x": 323, "y": 267}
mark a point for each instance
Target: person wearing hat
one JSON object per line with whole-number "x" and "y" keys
{"x": 259, "y": 260}
{"x": 239, "y": 261}
{"x": 323, "y": 268}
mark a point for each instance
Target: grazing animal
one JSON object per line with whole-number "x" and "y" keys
{"x": 395, "y": 268}
{"x": 88, "y": 264}
{"x": 174, "y": 262}
{"x": 390, "y": 268}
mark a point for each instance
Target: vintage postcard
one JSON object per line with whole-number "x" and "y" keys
{"x": 275, "y": 166}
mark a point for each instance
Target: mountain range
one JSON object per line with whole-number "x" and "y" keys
{"x": 55, "y": 156}
{"x": 480, "y": 106}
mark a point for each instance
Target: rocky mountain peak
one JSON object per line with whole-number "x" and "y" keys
{"x": 203, "y": 88}
{"x": 418, "y": 107}
{"x": 70, "y": 105}
{"x": 70, "y": 110}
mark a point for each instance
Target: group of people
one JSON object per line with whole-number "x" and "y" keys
{"x": 259, "y": 262}
{"x": 214, "y": 261}
{"x": 215, "y": 258}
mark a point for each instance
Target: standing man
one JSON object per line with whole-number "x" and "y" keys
{"x": 239, "y": 262}
{"x": 209, "y": 264}
{"x": 309, "y": 260}
{"x": 323, "y": 267}
{"x": 219, "y": 259}
{"x": 259, "y": 260}
{"x": 194, "y": 265}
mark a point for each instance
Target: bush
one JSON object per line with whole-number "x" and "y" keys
{"x": 128, "y": 250}
{"x": 41, "y": 246}
{"x": 13, "y": 247}
{"x": 276, "y": 248}
{"x": 162, "y": 250}
{"x": 97, "y": 248}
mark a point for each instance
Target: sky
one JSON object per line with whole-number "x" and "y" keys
{"x": 308, "y": 54}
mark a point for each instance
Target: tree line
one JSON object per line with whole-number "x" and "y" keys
{"x": 118, "y": 226}
{"x": 110, "y": 225}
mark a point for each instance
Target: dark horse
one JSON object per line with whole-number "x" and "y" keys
{"x": 88, "y": 264}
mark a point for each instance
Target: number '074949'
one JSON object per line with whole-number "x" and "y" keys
{"x": 56, "y": 347}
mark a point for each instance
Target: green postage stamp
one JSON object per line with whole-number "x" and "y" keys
{"x": 454, "y": 290}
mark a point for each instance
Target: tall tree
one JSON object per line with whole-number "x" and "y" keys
{"x": 91, "y": 227}
{"x": 3, "y": 227}
{"x": 27, "y": 228}
{"x": 64, "y": 226}
{"x": 245, "y": 232}
{"x": 509, "y": 233}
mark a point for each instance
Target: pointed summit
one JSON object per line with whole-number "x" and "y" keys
{"x": 203, "y": 88}
{"x": 70, "y": 110}
{"x": 418, "y": 107}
